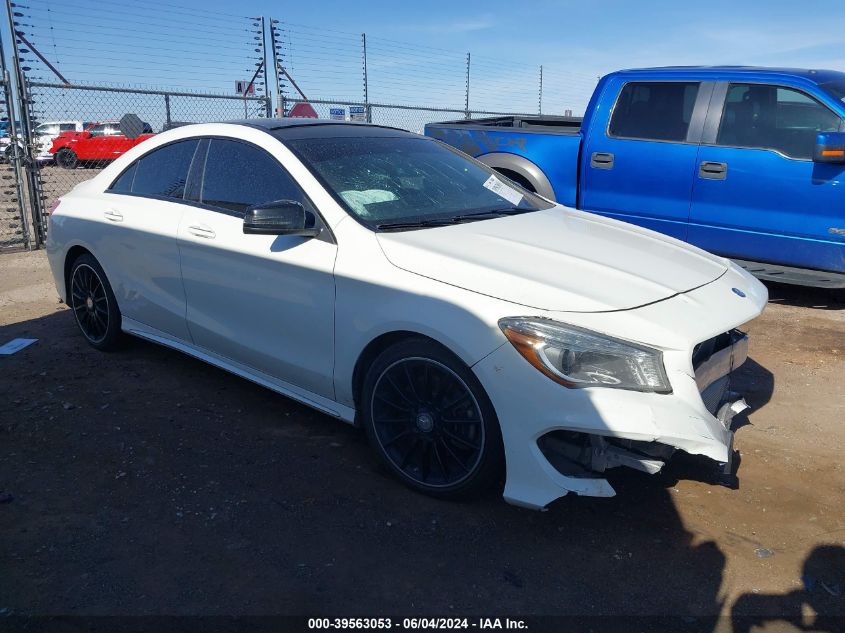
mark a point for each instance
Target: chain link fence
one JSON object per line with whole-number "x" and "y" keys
{"x": 69, "y": 121}
{"x": 14, "y": 223}
{"x": 66, "y": 154}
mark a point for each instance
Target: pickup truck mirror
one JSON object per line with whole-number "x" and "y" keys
{"x": 281, "y": 217}
{"x": 830, "y": 147}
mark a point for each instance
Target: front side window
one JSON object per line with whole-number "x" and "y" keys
{"x": 763, "y": 116}
{"x": 651, "y": 110}
{"x": 238, "y": 176}
{"x": 399, "y": 180}
{"x": 67, "y": 127}
{"x": 161, "y": 173}
{"x": 97, "y": 130}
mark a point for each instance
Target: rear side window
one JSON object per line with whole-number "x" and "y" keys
{"x": 763, "y": 116}
{"x": 659, "y": 111}
{"x": 164, "y": 171}
{"x": 238, "y": 176}
{"x": 123, "y": 184}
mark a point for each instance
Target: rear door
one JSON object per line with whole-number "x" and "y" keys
{"x": 758, "y": 195}
{"x": 640, "y": 155}
{"x": 138, "y": 247}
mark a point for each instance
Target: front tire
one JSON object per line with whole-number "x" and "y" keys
{"x": 430, "y": 422}
{"x": 66, "y": 158}
{"x": 93, "y": 304}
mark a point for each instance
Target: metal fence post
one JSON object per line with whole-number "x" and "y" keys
{"x": 540, "y": 102}
{"x": 367, "y": 109}
{"x": 15, "y": 158}
{"x": 466, "y": 101}
{"x": 167, "y": 119}
{"x": 280, "y": 95}
{"x": 32, "y": 176}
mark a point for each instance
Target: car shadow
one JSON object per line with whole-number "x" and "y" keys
{"x": 805, "y": 296}
{"x": 146, "y": 482}
{"x": 821, "y": 591}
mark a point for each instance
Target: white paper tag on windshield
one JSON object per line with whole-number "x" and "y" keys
{"x": 501, "y": 189}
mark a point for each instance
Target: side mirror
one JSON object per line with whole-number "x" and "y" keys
{"x": 830, "y": 148}
{"x": 282, "y": 217}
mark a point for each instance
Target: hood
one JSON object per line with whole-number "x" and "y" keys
{"x": 556, "y": 260}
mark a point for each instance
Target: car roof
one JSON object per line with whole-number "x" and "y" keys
{"x": 818, "y": 76}
{"x": 302, "y": 128}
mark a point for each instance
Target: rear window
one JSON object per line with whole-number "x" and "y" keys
{"x": 659, "y": 111}
{"x": 161, "y": 173}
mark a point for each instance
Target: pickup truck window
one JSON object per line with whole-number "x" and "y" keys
{"x": 773, "y": 117}
{"x": 654, "y": 110}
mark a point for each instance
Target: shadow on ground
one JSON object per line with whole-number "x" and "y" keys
{"x": 145, "y": 482}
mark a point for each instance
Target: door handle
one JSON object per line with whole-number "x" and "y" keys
{"x": 202, "y": 230}
{"x": 601, "y": 160}
{"x": 113, "y": 216}
{"x": 712, "y": 171}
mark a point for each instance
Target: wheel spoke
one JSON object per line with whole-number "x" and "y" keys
{"x": 409, "y": 453}
{"x": 396, "y": 438}
{"x": 455, "y": 401}
{"x": 393, "y": 403}
{"x": 457, "y": 459}
{"x": 398, "y": 389}
{"x": 457, "y": 439}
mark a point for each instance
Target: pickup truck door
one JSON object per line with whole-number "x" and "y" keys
{"x": 758, "y": 196}
{"x": 640, "y": 155}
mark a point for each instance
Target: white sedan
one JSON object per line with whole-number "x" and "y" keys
{"x": 472, "y": 328}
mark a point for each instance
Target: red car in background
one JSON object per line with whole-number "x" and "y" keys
{"x": 99, "y": 142}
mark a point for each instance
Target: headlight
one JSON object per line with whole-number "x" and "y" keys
{"x": 575, "y": 357}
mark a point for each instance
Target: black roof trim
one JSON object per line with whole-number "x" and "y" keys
{"x": 276, "y": 125}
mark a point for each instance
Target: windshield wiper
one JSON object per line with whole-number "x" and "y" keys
{"x": 417, "y": 224}
{"x": 456, "y": 219}
{"x": 487, "y": 215}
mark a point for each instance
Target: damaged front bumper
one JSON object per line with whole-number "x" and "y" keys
{"x": 550, "y": 451}
{"x": 560, "y": 440}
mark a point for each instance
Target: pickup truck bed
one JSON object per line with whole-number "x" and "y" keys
{"x": 505, "y": 142}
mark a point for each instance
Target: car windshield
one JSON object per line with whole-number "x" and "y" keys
{"x": 398, "y": 183}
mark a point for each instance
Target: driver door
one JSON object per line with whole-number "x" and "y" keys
{"x": 264, "y": 301}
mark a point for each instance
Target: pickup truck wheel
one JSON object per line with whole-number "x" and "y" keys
{"x": 66, "y": 158}
{"x": 430, "y": 421}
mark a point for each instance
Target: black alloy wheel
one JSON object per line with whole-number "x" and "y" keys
{"x": 430, "y": 421}
{"x": 93, "y": 303}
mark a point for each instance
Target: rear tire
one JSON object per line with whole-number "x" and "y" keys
{"x": 93, "y": 304}
{"x": 66, "y": 158}
{"x": 430, "y": 421}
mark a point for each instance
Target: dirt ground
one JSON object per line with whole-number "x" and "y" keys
{"x": 145, "y": 482}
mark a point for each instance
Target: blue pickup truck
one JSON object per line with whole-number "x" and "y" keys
{"x": 745, "y": 162}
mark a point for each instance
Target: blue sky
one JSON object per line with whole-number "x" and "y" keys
{"x": 416, "y": 50}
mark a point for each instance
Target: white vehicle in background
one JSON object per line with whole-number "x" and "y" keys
{"x": 471, "y": 327}
{"x": 44, "y": 135}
